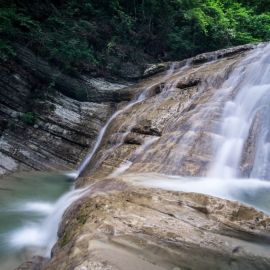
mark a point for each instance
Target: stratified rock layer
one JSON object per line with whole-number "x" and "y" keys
{"x": 41, "y": 128}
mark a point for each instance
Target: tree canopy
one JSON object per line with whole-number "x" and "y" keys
{"x": 85, "y": 34}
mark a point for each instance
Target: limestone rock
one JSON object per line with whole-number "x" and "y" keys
{"x": 155, "y": 68}
{"x": 183, "y": 116}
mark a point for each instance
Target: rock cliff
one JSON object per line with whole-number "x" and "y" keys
{"x": 42, "y": 126}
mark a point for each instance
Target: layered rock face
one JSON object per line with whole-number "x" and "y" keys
{"x": 43, "y": 129}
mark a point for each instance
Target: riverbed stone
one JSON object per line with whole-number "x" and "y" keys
{"x": 122, "y": 226}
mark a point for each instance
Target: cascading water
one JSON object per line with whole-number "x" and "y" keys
{"x": 241, "y": 143}
{"x": 239, "y": 167}
{"x": 247, "y": 114}
{"x": 43, "y": 234}
{"x": 140, "y": 98}
{"x": 30, "y": 215}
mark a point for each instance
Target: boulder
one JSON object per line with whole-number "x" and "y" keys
{"x": 122, "y": 226}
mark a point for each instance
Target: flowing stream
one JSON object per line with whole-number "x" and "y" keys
{"x": 32, "y": 205}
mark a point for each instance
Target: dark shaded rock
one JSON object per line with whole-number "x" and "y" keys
{"x": 82, "y": 88}
{"x": 188, "y": 82}
{"x": 145, "y": 127}
{"x": 130, "y": 71}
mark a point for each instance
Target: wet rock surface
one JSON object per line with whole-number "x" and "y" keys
{"x": 121, "y": 226}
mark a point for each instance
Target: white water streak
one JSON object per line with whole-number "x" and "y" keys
{"x": 43, "y": 234}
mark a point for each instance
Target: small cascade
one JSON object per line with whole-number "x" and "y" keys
{"x": 140, "y": 98}
{"x": 182, "y": 132}
{"x": 101, "y": 134}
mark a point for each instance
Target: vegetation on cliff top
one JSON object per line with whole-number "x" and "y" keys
{"x": 103, "y": 34}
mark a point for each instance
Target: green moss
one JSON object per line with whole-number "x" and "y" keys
{"x": 65, "y": 239}
{"x": 82, "y": 219}
{"x": 28, "y": 118}
{"x": 75, "y": 224}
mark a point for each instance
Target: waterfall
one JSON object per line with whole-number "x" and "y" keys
{"x": 247, "y": 114}
{"x": 240, "y": 160}
{"x": 37, "y": 234}
{"x": 239, "y": 164}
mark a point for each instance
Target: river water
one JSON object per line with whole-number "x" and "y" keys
{"x": 30, "y": 213}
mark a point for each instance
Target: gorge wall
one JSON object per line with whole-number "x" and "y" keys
{"x": 41, "y": 126}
